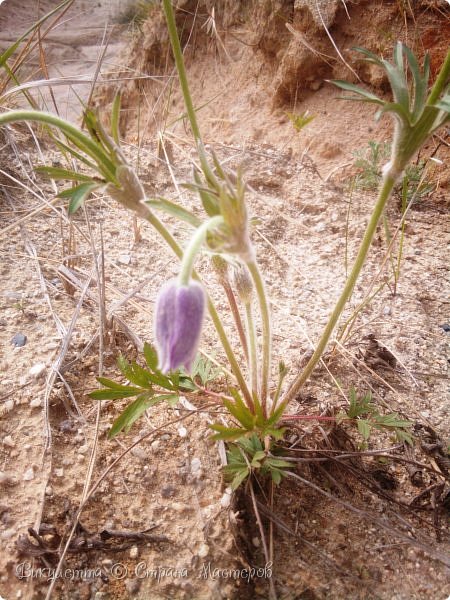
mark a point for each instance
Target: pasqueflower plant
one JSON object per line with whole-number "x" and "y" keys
{"x": 255, "y": 414}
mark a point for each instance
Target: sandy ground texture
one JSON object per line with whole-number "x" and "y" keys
{"x": 156, "y": 523}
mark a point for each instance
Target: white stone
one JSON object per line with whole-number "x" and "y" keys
{"x": 134, "y": 552}
{"x": 37, "y": 370}
{"x": 203, "y": 551}
{"x": 28, "y": 475}
{"x": 124, "y": 259}
{"x": 36, "y": 403}
{"x": 196, "y": 466}
{"x": 225, "y": 501}
{"x": 182, "y": 432}
{"x": 8, "y": 441}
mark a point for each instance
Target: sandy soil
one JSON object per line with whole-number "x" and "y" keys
{"x": 54, "y": 438}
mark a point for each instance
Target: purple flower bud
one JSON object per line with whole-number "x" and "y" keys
{"x": 178, "y": 323}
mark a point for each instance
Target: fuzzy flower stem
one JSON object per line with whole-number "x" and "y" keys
{"x": 253, "y": 361}
{"x": 384, "y": 195}
{"x": 193, "y": 248}
{"x": 236, "y": 316}
{"x": 266, "y": 332}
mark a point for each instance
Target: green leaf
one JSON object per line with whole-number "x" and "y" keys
{"x": 171, "y": 399}
{"x": 277, "y": 414}
{"x": 175, "y": 210}
{"x": 350, "y": 87}
{"x": 115, "y": 118}
{"x": 276, "y": 434}
{"x": 59, "y": 173}
{"x": 151, "y": 356}
{"x": 132, "y": 412}
{"x": 226, "y": 433}
{"x": 278, "y": 462}
{"x": 239, "y": 478}
{"x": 186, "y": 384}
{"x": 109, "y": 383}
{"x": 115, "y": 394}
{"x": 391, "y": 420}
{"x": 77, "y": 195}
{"x": 239, "y": 410}
{"x": 276, "y": 476}
{"x": 141, "y": 376}
{"x": 364, "y": 428}
{"x": 209, "y": 203}
{"x": 404, "y": 436}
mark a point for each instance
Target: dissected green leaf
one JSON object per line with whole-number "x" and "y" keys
{"x": 404, "y": 436}
{"x": 115, "y": 118}
{"x": 209, "y": 203}
{"x": 239, "y": 410}
{"x": 109, "y": 383}
{"x": 364, "y": 428}
{"x": 115, "y": 394}
{"x": 239, "y": 478}
{"x": 350, "y": 87}
{"x": 278, "y": 462}
{"x": 59, "y": 173}
{"x": 175, "y": 210}
{"x": 132, "y": 412}
{"x": 151, "y": 356}
{"x": 78, "y": 195}
{"x": 226, "y": 433}
{"x": 391, "y": 420}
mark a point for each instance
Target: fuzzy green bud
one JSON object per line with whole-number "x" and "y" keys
{"x": 220, "y": 266}
{"x": 243, "y": 283}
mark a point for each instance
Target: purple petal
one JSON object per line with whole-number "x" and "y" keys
{"x": 190, "y": 308}
{"x": 165, "y": 312}
{"x": 179, "y": 317}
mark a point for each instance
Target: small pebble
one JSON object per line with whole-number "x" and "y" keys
{"x": 196, "y": 466}
{"x": 35, "y": 403}
{"x": 134, "y": 552}
{"x": 19, "y": 340}
{"x": 59, "y": 472}
{"x": 124, "y": 259}
{"x": 140, "y": 453}
{"x": 182, "y": 432}
{"x": 28, "y": 475}
{"x": 203, "y": 551}
{"x": 8, "y": 441}
{"x": 49, "y": 490}
{"x": 225, "y": 501}
{"x": 37, "y": 370}
{"x": 256, "y": 542}
{"x": 446, "y": 327}
{"x": 155, "y": 445}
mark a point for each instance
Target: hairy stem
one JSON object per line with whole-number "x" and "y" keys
{"x": 384, "y": 195}
{"x": 193, "y": 248}
{"x": 266, "y": 332}
{"x": 253, "y": 360}
{"x": 236, "y": 316}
